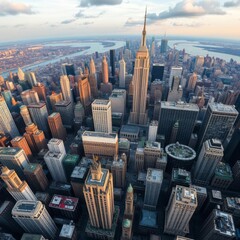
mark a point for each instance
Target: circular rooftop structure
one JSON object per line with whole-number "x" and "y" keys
{"x": 180, "y": 152}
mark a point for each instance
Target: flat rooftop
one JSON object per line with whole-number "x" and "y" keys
{"x": 67, "y": 231}
{"x": 224, "y": 171}
{"x": 222, "y": 108}
{"x": 100, "y": 102}
{"x": 233, "y": 203}
{"x": 153, "y": 145}
{"x": 9, "y": 151}
{"x": 186, "y": 195}
{"x": 63, "y": 103}
{"x": 224, "y": 224}
{"x": 64, "y": 202}
{"x": 200, "y": 190}
{"x": 181, "y": 175}
{"x": 26, "y": 208}
{"x": 180, "y": 152}
{"x": 79, "y": 172}
{"x": 118, "y": 93}
{"x": 129, "y": 129}
{"x": 37, "y": 105}
{"x": 154, "y": 175}
{"x": 180, "y": 106}
{"x": 99, "y": 134}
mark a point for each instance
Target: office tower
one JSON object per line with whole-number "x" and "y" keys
{"x": 152, "y": 131}
{"x": 157, "y": 71}
{"x": 33, "y": 217}
{"x": 122, "y": 73}
{"x": 36, "y": 177}
{"x": 156, "y": 91}
{"x": 65, "y": 206}
{"x": 14, "y": 158}
{"x": 6, "y": 220}
{"x": 112, "y": 61}
{"x": 105, "y": 75}
{"x": 199, "y": 61}
{"x": 54, "y": 158}
{"x": 209, "y": 157}
{"x": 118, "y": 101}
{"x": 8, "y": 98}
{"x": 236, "y": 176}
{"x": 93, "y": 79}
{"x": 174, "y": 132}
{"x": 7, "y": 124}
{"x": 31, "y": 78}
{"x": 35, "y": 138}
{"x": 65, "y": 108}
{"x": 222, "y": 177}
{"x": 118, "y": 170}
{"x": 154, "y": 181}
{"x": 201, "y": 196}
{"x": 17, "y": 188}
{"x": 232, "y": 151}
{"x": 41, "y": 91}
{"x": 28, "y": 236}
{"x": 175, "y": 92}
{"x": 54, "y": 98}
{"x": 5, "y": 140}
{"x": 180, "y": 177}
{"x": 77, "y": 181}
{"x": 217, "y": 122}
{"x": 181, "y": 206}
{"x": 10, "y": 85}
{"x": 218, "y": 226}
{"x": 192, "y": 82}
{"x": 139, "y": 114}
{"x": 68, "y": 69}
{"x": 152, "y": 151}
{"x": 99, "y": 197}
{"x": 21, "y": 142}
{"x": 102, "y": 115}
{"x": 79, "y": 114}
{"x": 100, "y": 144}
{"x": 56, "y": 127}
{"x": 84, "y": 91}
{"x": 164, "y": 45}
{"x": 25, "y": 115}
{"x": 68, "y": 232}
{"x": 29, "y": 96}
{"x": 60, "y": 188}
{"x": 21, "y": 74}
{"x": 39, "y": 115}
{"x": 65, "y": 87}
{"x": 185, "y": 113}
{"x": 176, "y": 72}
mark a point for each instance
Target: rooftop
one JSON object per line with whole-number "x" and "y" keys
{"x": 130, "y": 129}
{"x": 217, "y": 194}
{"x": 101, "y": 102}
{"x": 79, "y": 172}
{"x": 67, "y": 230}
{"x": 222, "y": 108}
{"x": 186, "y": 195}
{"x": 233, "y": 203}
{"x": 118, "y": 93}
{"x": 223, "y": 223}
{"x": 64, "y": 202}
{"x": 153, "y": 145}
{"x": 181, "y": 175}
{"x": 90, "y": 181}
{"x": 148, "y": 219}
{"x": 99, "y": 134}
{"x": 37, "y": 105}
{"x": 31, "y": 167}
{"x": 26, "y": 208}
{"x": 199, "y": 189}
{"x": 154, "y": 175}
{"x": 9, "y": 151}
{"x": 223, "y": 170}
{"x": 62, "y": 103}
{"x": 180, "y": 152}
{"x": 180, "y": 106}
{"x": 28, "y": 236}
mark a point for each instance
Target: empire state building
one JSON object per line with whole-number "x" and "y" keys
{"x": 139, "y": 114}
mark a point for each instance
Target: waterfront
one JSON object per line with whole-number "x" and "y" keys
{"x": 195, "y": 48}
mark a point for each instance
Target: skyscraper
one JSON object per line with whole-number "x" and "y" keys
{"x": 84, "y": 91}
{"x": 122, "y": 73}
{"x": 41, "y": 91}
{"x": 25, "y": 115}
{"x": 93, "y": 79}
{"x": 68, "y": 69}
{"x": 105, "y": 74}
{"x": 164, "y": 45}
{"x": 7, "y": 124}
{"x": 209, "y": 157}
{"x": 192, "y": 82}
{"x": 14, "y": 158}
{"x": 139, "y": 114}
{"x": 99, "y": 197}
{"x": 54, "y": 158}
{"x": 29, "y": 96}
{"x": 54, "y": 98}
{"x": 118, "y": 170}
{"x": 17, "y": 188}
{"x": 102, "y": 115}
{"x": 175, "y": 91}
{"x": 157, "y": 71}
{"x": 118, "y": 101}
{"x": 65, "y": 108}
{"x": 112, "y": 61}
{"x": 175, "y": 72}
{"x": 181, "y": 206}
{"x": 154, "y": 181}
{"x": 39, "y": 114}
{"x": 33, "y": 217}
{"x": 56, "y": 126}
{"x": 217, "y": 122}
{"x": 21, "y": 142}
{"x": 31, "y": 78}
{"x": 66, "y": 89}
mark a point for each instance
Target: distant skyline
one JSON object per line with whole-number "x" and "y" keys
{"x": 25, "y": 19}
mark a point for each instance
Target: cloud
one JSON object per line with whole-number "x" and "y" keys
{"x": 19, "y": 25}
{"x": 69, "y": 21}
{"x": 81, "y": 14}
{"x": 191, "y": 25}
{"x": 11, "y": 8}
{"x": 87, "y": 23}
{"x": 88, "y": 3}
{"x": 131, "y": 22}
{"x": 189, "y": 8}
{"x": 232, "y": 3}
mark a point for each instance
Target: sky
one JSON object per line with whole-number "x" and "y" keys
{"x": 33, "y": 19}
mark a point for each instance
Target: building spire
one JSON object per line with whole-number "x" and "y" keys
{"x": 143, "y": 44}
